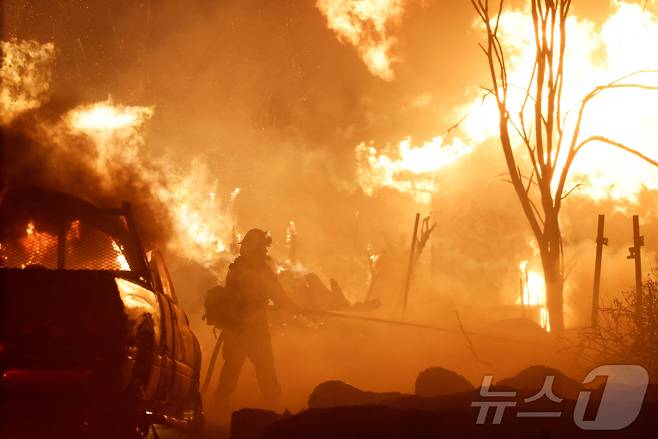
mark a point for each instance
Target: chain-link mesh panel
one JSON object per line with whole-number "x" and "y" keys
{"x": 33, "y": 249}
{"x": 91, "y": 249}
{"x": 86, "y": 248}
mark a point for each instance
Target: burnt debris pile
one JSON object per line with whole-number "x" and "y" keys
{"x": 444, "y": 404}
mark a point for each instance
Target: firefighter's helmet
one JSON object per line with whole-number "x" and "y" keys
{"x": 256, "y": 239}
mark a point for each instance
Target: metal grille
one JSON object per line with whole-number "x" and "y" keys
{"x": 85, "y": 248}
{"x": 91, "y": 249}
{"x": 33, "y": 249}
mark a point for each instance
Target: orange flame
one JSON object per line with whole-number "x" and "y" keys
{"x": 291, "y": 232}
{"x": 38, "y": 245}
{"x": 594, "y": 56}
{"x": 624, "y": 43}
{"x": 114, "y": 130}
{"x": 202, "y": 224}
{"x": 533, "y": 293}
{"x": 365, "y": 25}
{"x": 120, "y": 257}
{"x": 406, "y": 168}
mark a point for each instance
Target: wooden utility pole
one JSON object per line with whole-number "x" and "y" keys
{"x": 434, "y": 253}
{"x": 405, "y": 293}
{"x": 600, "y": 242}
{"x": 635, "y": 253}
{"x": 425, "y": 234}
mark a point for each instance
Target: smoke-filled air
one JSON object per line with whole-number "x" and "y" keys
{"x": 346, "y": 204}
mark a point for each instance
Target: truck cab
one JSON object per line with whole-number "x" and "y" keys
{"x": 92, "y": 336}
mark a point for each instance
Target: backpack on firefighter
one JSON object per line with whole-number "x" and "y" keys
{"x": 222, "y": 306}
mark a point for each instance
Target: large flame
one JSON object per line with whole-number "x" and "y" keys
{"x": 104, "y": 120}
{"x": 202, "y": 224}
{"x": 114, "y": 129}
{"x": 594, "y": 56}
{"x": 406, "y": 168}
{"x": 365, "y": 25}
{"x": 25, "y": 76}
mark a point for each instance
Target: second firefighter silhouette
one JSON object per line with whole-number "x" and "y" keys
{"x": 252, "y": 283}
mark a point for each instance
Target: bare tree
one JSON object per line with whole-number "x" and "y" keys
{"x": 546, "y": 149}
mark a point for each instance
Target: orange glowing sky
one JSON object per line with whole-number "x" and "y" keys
{"x": 319, "y": 110}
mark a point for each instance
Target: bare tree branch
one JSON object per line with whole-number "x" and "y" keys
{"x": 574, "y": 146}
{"x": 618, "y": 145}
{"x": 571, "y": 190}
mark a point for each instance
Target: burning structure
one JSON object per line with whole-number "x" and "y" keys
{"x": 331, "y": 124}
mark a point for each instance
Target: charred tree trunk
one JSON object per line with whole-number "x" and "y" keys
{"x": 551, "y": 256}
{"x": 554, "y": 281}
{"x": 549, "y": 148}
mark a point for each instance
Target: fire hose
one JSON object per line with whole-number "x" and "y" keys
{"x": 417, "y": 325}
{"x": 213, "y": 360}
{"x": 338, "y": 315}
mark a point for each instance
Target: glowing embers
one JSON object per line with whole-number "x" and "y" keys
{"x": 532, "y": 293}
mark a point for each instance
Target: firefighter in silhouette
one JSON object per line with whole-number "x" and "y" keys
{"x": 252, "y": 283}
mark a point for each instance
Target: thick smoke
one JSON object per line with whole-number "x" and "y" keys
{"x": 267, "y": 98}
{"x": 273, "y": 103}
{"x": 38, "y": 154}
